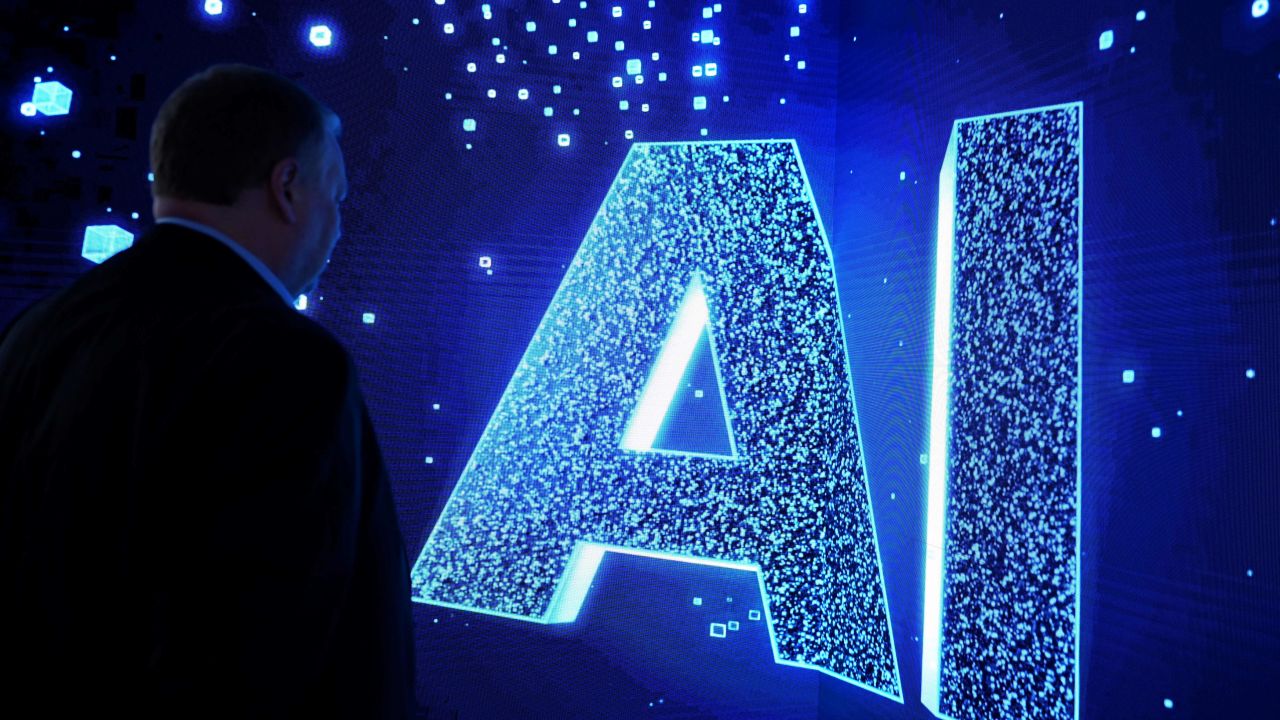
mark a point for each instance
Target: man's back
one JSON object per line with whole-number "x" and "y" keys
{"x": 194, "y": 514}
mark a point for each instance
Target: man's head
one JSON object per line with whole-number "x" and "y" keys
{"x": 255, "y": 156}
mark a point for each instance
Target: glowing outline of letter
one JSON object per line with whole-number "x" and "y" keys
{"x": 574, "y": 582}
{"x": 935, "y": 537}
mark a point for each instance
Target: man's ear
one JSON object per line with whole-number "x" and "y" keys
{"x": 283, "y": 186}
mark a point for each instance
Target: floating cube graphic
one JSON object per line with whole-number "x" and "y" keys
{"x": 51, "y": 98}
{"x": 103, "y": 241}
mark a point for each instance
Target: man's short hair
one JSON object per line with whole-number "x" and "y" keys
{"x": 224, "y": 129}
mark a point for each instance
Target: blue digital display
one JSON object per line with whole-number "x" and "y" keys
{"x": 614, "y": 273}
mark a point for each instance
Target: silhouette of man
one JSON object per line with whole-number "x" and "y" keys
{"x": 195, "y": 519}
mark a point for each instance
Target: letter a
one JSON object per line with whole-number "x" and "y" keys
{"x": 721, "y": 239}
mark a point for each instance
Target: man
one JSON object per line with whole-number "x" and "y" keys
{"x": 194, "y": 515}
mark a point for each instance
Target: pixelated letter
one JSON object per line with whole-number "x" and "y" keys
{"x": 1002, "y": 553}
{"x": 726, "y": 234}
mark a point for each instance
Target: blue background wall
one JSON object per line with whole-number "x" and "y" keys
{"x": 1181, "y": 284}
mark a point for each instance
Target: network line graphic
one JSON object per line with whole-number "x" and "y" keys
{"x": 716, "y": 240}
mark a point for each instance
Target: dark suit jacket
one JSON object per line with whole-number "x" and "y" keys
{"x": 195, "y": 519}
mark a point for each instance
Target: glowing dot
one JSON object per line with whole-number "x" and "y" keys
{"x": 75, "y": 154}
{"x": 500, "y": 58}
{"x": 803, "y": 8}
{"x": 633, "y": 66}
{"x": 1155, "y": 432}
{"x": 1127, "y": 376}
{"x": 151, "y": 177}
{"x": 1142, "y": 15}
{"x": 902, "y": 176}
{"x": 547, "y": 111}
{"x": 486, "y": 261}
{"x": 1250, "y": 373}
{"x": 573, "y": 22}
{"x": 623, "y": 105}
{"x": 703, "y": 132}
{"x": 416, "y": 21}
{"x": 647, "y": 25}
{"x": 662, "y": 77}
{"x": 1248, "y": 572}
{"x": 552, "y": 50}
{"x": 321, "y": 36}
{"x": 556, "y": 89}
{"x": 28, "y": 109}
{"x": 617, "y": 11}
{"x": 301, "y": 302}
{"x": 213, "y": 7}
{"x": 697, "y": 601}
{"x": 133, "y": 215}
{"x": 448, "y": 28}
{"x": 795, "y": 31}
{"x": 522, "y": 93}
{"x": 469, "y": 124}
{"x": 709, "y": 70}
{"x": 800, "y": 65}
{"x": 471, "y": 67}
{"x": 1106, "y": 40}
{"x": 1260, "y": 7}
{"x": 369, "y": 318}
{"x": 698, "y": 393}
{"x": 531, "y": 26}
{"x": 492, "y": 93}
{"x": 1179, "y": 413}
{"x": 593, "y": 36}
{"x": 619, "y": 46}
{"x": 629, "y": 134}
{"x": 696, "y": 70}
{"x": 782, "y": 101}
{"x": 563, "y": 140}
{"x": 617, "y": 81}
{"x": 700, "y": 102}
{"x": 430, "y": 460}
{"x": 1168, "y": 703}
{"x": 113, "y": 58}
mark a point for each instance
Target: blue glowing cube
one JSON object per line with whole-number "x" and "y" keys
{"x": 633, "y": 66}
{"x": 369, "y": 318}
{"x": 733, "y": 625}
{"x": 563, "y": 140}
{"x": 321, "y": 36}
{"x": 1106, "y": 40}
{"x": 1127, "y": 376}
{"x": 753, "y": 614}
{"x": 700, "y": 102}
{"x": 469, "y": 125}
{"x": 103, "y": 241}
{"x": 52, "y": 98}
{"x": 718, "y": 630}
